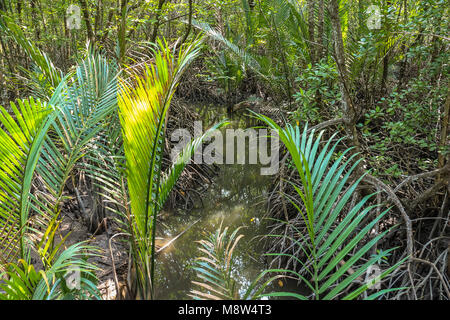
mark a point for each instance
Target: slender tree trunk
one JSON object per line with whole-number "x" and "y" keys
{"x": 284, "y": 62}
{"x": 19, "y": 10}
{"x": 41, "y": 11}
{"x": 320, "y": 50}
{"x": 34, "y": 19}
{"x": 340, "y": 59}
{"x": 98, "y": 18}
{"x": 387, "y": 53}
{"x": 188, "y": 30}
{"x": 66, "y": 48}
{"x": 444, "y": 131}
{"x": 320, "y": 47}
{"x": 5, "y": 54}
{"x": 158, "y": 21}
{"x": 385, "y": 72}
{"x": 122, "y": 30}
{"x": 403, "y": 47}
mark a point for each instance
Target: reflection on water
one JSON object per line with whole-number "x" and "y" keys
{"x": 238, "y": 197}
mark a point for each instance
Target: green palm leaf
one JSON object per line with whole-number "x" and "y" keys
{"x": 215, "y": 270}
{"x": 22, "y": 282}
{"x": 143, "y": 111}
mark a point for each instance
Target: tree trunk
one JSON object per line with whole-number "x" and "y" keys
{"x": 122, "y": 30}
{"x": 19, "y": 10}
{"x": 385, "y": 72}
{"x": 35, "y": 19}
{"x": 403, "y": 63}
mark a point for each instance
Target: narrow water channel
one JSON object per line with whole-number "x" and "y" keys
{"x": 237, "y": 198}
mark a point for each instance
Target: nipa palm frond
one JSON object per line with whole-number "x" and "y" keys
{"x": 22, "y": 135}
{"x": 335, "y": 241}
{"x": 214, "y": 269}
{"x": 24, "y": 282}
{"x": 81, "y": 110}
{"x": 143, "y": 111}
{"x": 65, "y": 273}
{"x": 46, "y": 77}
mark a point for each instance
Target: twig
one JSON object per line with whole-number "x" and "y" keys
{"x": 438, "y": 273}
{"x": 426, "y": 194}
